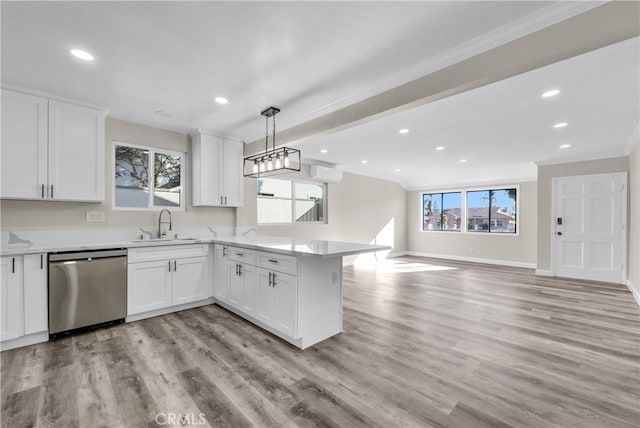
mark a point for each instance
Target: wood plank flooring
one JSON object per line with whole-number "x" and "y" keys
{"x": 426, "y": 343}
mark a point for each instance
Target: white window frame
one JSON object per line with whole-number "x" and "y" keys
{"x": 293, "y": 222}
{"x": 152, "y": 151}
{"x": 463, "y": 208}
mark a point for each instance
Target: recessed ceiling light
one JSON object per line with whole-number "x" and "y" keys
{"x": 162, "y": 113}
{"x": 364, "y": 161}
{"x": 83, "y": 55}
{"x": 565, "y": 146}
{"x": 551, "y": 93}
{"x": 403, "y": 131}
{"x": 324, "y": 151}
{"x": 440, "y": 148}
{"x": 463, "y": 160}
{"x": 221, "y": 100}
{"x": 397, "y": 170}
{"x": 560, "y": 125}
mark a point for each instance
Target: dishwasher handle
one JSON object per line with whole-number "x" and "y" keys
{"x": 82, "y": 255}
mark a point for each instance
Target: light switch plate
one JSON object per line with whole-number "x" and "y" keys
{"x": 95, "y": 216}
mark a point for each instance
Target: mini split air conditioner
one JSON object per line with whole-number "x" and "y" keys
{"x": 325, "y": 174}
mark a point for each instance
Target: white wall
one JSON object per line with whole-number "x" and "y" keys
{"x": 516, "y": 250}
{"x": 21, "y": 215}
{"x": 545, "y": 191}
{"x": 634, "y": 221}
{"x": 360, "y": 209}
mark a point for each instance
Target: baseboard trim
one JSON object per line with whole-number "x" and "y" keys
{"x": 27, "y": 340}
{"x": 473, "y": 259}
{"x": 544, "y": 272}
{"x": 168, "y": 310}
{"x": 397, "y": 254}
{"x": 634, "y": 291}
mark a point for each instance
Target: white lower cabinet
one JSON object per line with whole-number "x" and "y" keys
{"x": 148, "y": 286}
{"x": 258, "y": 285}
{"x": 162, "y": 277}
{"x": 190, "y": 283}
{"x": 23, "y": 300}
{"x": 297, "y": 298}
{"x": 276, "y": 302}
{"x": 36, "y": 306}
{"x": 220, "y": 275}
{"x": 242, "y": 286}
{"x": 12, "y": 318}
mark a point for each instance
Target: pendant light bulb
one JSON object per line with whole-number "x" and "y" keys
{"x": 255, "y": 166}
{"x": 286, "y": 160}
{"x": 269, "y": 164}
{"x": 262, "y": 165}
{"x": 278, "y": 162}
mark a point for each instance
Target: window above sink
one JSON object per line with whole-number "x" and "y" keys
{"x": 147, "y": 178}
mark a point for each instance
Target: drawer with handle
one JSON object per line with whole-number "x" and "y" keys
{"x": 238, "y": 254}
{"x": 278, "y": 262}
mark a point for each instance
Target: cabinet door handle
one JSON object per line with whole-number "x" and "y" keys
{"x": 225, "y": 200}
{"x": 240, "y": 254}
{"x": 221, "y": 201}
{"x": 224, "y": 251}
{"x": 175, "y": 265}
{"x": 270, "y": 278}
{"x": 13, "y": 265}
{"x": 43, "y": 191}
{"x": 52, "y": 191}
{"x": 169, "y": 265}
{"x": 273, "y": 281}
{"x": 239, "y": 270}
{"x": 41, "y": 261}
{"x": 236, "y": 269}
{"x": 272, "y": 261}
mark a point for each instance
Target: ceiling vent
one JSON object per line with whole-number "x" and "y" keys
{"x": 325, "y": 174}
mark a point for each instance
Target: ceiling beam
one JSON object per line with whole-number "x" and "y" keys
{"x": 602, "y": 26}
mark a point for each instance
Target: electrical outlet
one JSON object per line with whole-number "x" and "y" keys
{"x": 95, "y": 217}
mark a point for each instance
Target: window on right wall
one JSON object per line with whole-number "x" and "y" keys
{"x": 492, "y": 211}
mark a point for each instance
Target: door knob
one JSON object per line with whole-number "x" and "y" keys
{"x": 559, "y": 233}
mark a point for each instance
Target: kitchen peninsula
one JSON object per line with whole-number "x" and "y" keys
{"x": 289, "y": 287}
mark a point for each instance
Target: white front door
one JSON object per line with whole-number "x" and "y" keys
{"x": 589, "y": 227}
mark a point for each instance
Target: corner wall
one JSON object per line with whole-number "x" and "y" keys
{"x": 634, "y": 222}
{"x": 546, "y": 174}
{"x": 29, "y": 215}
{"x": 514, "y": 250}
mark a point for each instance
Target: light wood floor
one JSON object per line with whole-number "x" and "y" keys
{"x": 425, "y": 343}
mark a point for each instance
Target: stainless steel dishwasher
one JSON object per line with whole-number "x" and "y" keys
{"x": 86, "y": 288}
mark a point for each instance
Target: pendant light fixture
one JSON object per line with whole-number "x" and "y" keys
{"x": 279, "y": 160}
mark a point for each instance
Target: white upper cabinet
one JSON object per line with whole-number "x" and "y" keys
{"x": 217, "y": 171}
{"x": 76, "y": 152}
{"x": 51, "y": 150}
{"x": 24, "y": 145}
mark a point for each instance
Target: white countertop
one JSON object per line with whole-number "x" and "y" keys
{"x": 31, "y": 242}
{"x": 298, "y": 247}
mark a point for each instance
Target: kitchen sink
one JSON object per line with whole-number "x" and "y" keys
{"x": 154, "y": 240}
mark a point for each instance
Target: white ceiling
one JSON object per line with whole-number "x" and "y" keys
{"x": 312, "y": 58}
{"x": 503, "y": 129}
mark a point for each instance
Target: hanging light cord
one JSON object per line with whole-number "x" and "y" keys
{"x": 266, "y": 134}
{"x": 273, "y": 139}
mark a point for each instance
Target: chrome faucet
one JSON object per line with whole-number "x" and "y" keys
{"x": 163, "y": 232}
